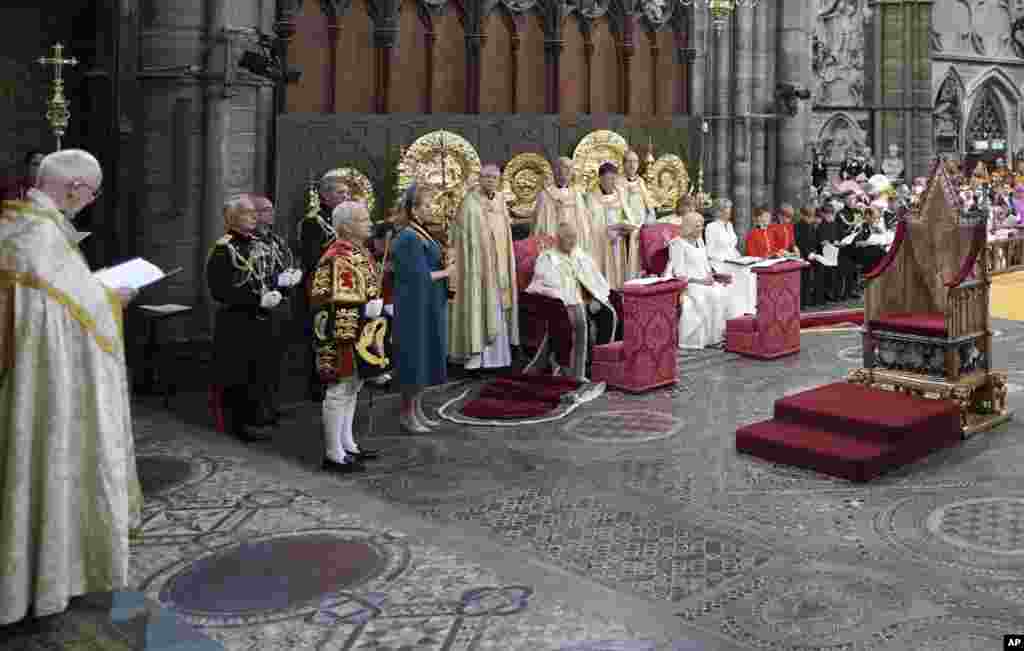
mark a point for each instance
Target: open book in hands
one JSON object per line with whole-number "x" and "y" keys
{"x": 134, "y": 274}
{"x": 829, "y": 255}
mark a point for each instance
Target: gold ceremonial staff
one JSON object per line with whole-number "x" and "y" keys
{"x": 57, "y": 113}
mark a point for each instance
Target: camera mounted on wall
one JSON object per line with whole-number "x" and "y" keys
{"x": 788, "y": 96}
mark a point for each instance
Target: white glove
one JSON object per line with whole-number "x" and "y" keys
{"x": 595, "y": 307}
{"x": 270, "y": 300}
{"x": 389, "y": 310}
{"x": 373, "y": 308}
{"x": 296, "y": 276}
{"x": 284, "y": 279}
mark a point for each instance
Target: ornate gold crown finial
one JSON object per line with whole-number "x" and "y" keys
{"x": 57, "y": 113}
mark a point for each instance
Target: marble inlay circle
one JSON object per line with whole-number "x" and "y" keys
{"x": 814, "y": 611}
{"x": 633, "y": 426}
{"x": 159, "y": 473}
{"x": 278, "y": 576}
{"x": 994, "y": 525}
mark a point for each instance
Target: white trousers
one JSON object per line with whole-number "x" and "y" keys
{"x": 339, "y": 413}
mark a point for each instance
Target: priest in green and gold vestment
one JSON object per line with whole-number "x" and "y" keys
{"x": 484, "y": 321}
{"x": 615, "y": 230}
{"x": 68, "y": 489}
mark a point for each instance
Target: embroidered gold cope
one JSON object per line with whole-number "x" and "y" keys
{"x": 618, "y": 260}
{"x": 481, "y": 239}
{"x": 556, "y": 205}
{"x": 638, "y": 197}
{"x": 69, "y": 493}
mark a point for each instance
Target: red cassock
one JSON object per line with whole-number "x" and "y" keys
{"x": 783, "y": 236}
{"x": 760, "y": 243}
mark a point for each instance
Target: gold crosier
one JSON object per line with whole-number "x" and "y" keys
{"x": 57, "y": 112}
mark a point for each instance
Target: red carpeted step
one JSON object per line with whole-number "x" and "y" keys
{"x": 840, "y": 455}
{"x": 870, "y": 414}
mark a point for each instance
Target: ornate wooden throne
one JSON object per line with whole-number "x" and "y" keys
{"x": 927, "y": 329}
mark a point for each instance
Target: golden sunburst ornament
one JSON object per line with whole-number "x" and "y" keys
{"x": 524, "y": 178}
{"x": 669, "y": 180}
{"x": 356, "y": 184}
{"x": 447, "y": 166}
{"x": 597, "y": 148}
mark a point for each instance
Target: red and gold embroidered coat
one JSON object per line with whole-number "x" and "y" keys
{"x": 344, "y": 281}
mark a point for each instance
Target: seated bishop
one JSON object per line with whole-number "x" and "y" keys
{"x": 711, "y": 298}
{"x": 570, "y": 275}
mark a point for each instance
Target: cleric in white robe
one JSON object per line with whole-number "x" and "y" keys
{"x": 721, "y": 240}
{"x": 69, "y": 493}
{"x": 568, "y": 274}
{"x": 710, "y": 298}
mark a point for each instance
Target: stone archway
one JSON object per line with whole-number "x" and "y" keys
{"x": 839, "y": 134}
{"x": 991, "y": 129}
{"x": 948, "y": 115}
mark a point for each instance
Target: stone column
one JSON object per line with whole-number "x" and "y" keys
{"x": 794, "y": 67}
{"x": 331, "y": 76}
{"x": 385, "y": 41}
{"x": 697, "y": 74}
{"x": 722, "y": 109}
{"x": 588, "y": 63}
{"x": 759, "y": 91}
{"x": 474, "y": 47}
{"x": 743, "y": 72}
{"x": 553, "y": 75}
{"x": 627, "y": 49}
{"x": 265, "y": 118}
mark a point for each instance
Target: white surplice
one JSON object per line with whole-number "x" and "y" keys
{"x": 69, "y": 493}
{"x": 706, "y": 308}
{"x": 722, "y": 243}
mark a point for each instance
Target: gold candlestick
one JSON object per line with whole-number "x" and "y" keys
{"x": 57, "y": 113}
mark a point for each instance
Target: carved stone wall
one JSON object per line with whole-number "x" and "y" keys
{"x": 839, "y": 52}
{"x": 977, "y": 59}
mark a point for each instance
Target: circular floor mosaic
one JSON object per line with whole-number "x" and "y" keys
{"x": 978, "y": 534}
{"x": 994, "y": 525}
{"x": 633, "y": 426}
{"x": 277, "y": 577}
{"x": 160, "y": 473}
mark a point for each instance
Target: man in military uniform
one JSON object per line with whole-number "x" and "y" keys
{"x": 281, "y": 262}
{"x": 344, "y": 294}
{"x": 852, "y": 166}
{"x": 316, "y": 233}
{"x": 238, "y": 278}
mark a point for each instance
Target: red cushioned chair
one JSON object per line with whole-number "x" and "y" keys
{"x": 774, "y": 331}
{"x": 646, "y": 357}
{"x": 531, "y": 328}
{"x": 654, "y": 239}
{"x": 927, "y": 329}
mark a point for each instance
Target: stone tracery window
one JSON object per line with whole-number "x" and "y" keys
{"x": 987, "y": 124}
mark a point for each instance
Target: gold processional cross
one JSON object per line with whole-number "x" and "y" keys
{"x": 57, "y": 113}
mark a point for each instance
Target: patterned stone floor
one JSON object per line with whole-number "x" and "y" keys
{"x": 633, "y": 519}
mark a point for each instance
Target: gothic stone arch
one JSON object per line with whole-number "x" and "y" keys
{"x": 839, "y": 134}
{"x": 948, "y": 114}
{"x": 994, "y": 111}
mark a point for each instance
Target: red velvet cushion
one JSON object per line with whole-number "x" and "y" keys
{"x": 742, "y": 324}
{"x": 613, "y": 352}
{"x": 925, "y": 324}
{"x": 654, "y": 240}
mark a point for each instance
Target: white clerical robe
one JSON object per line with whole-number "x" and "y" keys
{"x": 617, "y": 257}
{"x": 722, "y": 243}
{"x": 557, "y": 205}
{"x": 69, "y": 493}
{"x": 564, "y": 276}
{"x": 706, "y": 308}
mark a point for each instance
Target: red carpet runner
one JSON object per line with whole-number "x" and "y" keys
{"x": 852, "y": 431}
{"x": 519, "y": 396}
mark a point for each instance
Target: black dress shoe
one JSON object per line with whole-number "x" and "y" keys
{"x": 342, "y": 468}
{"x": 365, "y": 454}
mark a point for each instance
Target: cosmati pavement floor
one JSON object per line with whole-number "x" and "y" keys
{"x": 632, "y": 519}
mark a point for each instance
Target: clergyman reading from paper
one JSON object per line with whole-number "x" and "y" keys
{"x": 69, "y": 493}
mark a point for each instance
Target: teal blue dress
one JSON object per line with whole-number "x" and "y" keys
{"x": 420, "y": 335}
